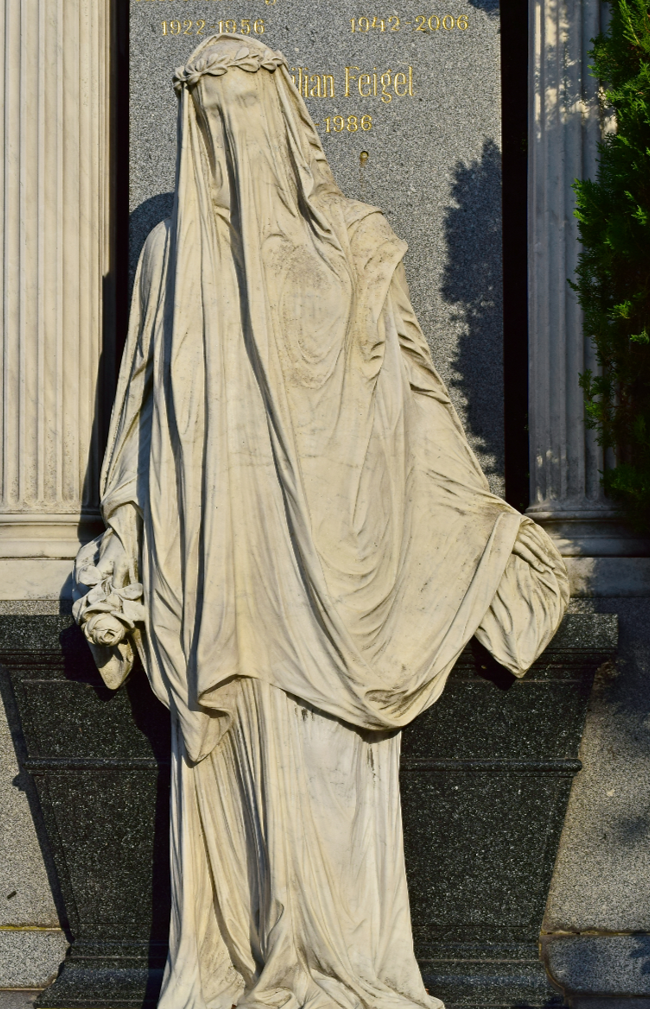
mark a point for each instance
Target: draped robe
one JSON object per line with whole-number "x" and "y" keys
{"x": 316, "y": 544}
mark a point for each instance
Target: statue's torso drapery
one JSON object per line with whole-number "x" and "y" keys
{"x": 327, "y": 531}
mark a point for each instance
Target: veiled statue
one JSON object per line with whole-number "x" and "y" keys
{"x": 299, "y": 543}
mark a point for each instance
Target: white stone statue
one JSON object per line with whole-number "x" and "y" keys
{"x": 300, "y": 542}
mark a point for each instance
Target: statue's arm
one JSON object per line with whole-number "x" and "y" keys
{"x": 108, "y": 595}
{"x": 534, "y": 590}
{"x": 125, "y": 469}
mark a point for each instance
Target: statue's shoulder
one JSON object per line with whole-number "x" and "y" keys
{"x": 151, "y": 264}
{"x": 157, "y": 240}
{"x": 154, "y": 252}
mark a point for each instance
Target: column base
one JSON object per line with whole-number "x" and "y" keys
{"x": 595, "y": 532}
{"x": 28, "y": 578}
{"x": 603, "y": 555}
{"x": 37, "y": 552}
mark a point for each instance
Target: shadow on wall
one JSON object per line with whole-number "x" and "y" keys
{"x": 472, "y": 284}
{"x": 143, "y": 219}
{"x": 489, "y": 7}
{"x": 621, "y": 702}
{"x": 641, "y": 952}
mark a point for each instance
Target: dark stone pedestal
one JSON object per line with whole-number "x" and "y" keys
{"x": 100, "y": 761}
{"x": 486, "y": 775}
{"x": 485, "y": 782}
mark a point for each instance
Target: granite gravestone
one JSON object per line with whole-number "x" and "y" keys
{"x": 407, "y": 102}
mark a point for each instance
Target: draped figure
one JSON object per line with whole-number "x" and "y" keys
{"x": 300, "y": 543}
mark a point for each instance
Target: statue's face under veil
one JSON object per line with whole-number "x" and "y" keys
{"x": 240, "y": 117}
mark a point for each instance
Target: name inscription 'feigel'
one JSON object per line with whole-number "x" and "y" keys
{"x": 368, "y": 85}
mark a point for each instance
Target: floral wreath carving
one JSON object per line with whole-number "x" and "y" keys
{"x": 218, "y": 63}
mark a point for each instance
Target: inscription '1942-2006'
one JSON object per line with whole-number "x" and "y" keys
{"x": 384, "y": 86}
{"x": 422, "y": 23}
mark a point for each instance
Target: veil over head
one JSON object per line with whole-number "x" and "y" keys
{"x": 312, "y": 513}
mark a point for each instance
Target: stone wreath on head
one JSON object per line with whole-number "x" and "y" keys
{"x": 217, "y": 60}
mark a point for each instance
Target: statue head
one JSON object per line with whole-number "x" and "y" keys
{"x": 220, "y": 53}
{"x": 251, "y": 117}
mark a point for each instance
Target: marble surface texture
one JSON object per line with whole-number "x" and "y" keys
{"x": 299, "y": 542}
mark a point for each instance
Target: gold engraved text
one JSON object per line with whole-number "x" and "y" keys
{"x": 187, "y": 27}
{"x": 422, "y": 23}
{"x": 336, "y": 124}
{"x": 313, "y": 85}
{"x": 182, "y": 27}
{"x": 378, "y": 85}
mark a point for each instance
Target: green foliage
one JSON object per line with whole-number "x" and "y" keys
{"x": 613, "y": 276}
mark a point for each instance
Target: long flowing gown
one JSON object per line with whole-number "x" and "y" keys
{"x": 316, "y": 543}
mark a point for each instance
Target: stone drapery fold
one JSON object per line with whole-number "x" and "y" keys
{"x": 312, "y": 514}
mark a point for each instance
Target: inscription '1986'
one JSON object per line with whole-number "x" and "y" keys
{"x": 352, "y": 123}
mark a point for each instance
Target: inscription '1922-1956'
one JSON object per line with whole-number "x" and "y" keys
{"x": 187, "y": 27}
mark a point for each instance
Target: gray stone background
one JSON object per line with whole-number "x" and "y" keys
{"x": 433, "y": 166}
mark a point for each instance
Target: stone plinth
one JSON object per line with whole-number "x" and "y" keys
{"x": 485, "y": 780}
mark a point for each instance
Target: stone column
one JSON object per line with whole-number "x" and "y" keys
{"x": 565, "y": 126}
{"x": 54, "y": 218}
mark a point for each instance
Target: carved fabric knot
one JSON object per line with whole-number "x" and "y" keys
{"x": 219, "y": 63}
{"x": 106, "y": 613}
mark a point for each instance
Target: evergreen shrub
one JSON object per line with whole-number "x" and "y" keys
{"x": 613, "y": 275}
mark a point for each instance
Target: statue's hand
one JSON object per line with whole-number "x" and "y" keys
{"x": 107, "y": 605}
{"x": 107, "y": 596}
{"x": 104, "y": 630}
{"x": 114, "y": 562}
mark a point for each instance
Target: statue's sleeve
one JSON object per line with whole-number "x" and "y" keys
{"x": 125, "y": 469}
{"x": 533, "y": 593}
{"x": 529, "y": 603}
{"x": 105, "y": 617}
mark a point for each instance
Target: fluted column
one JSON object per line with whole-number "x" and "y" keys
{"x": 565, "y": 126}
{"x": 54, "y": 218}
